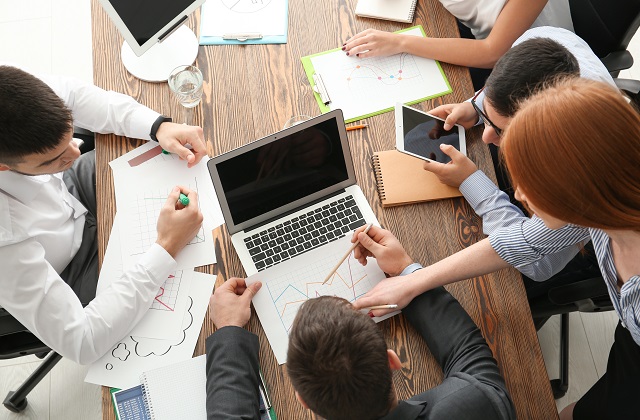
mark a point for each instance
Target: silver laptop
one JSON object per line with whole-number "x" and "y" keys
{"x": 290, "y": 192}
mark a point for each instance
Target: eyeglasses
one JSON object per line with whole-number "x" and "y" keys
{"x": 483, "y": 116}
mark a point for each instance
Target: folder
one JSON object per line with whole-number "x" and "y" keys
{"x": 401, "y": 179}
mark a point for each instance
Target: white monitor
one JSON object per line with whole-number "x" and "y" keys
{"x": 156, "y": 42}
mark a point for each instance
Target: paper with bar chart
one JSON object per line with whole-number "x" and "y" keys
{"x": 366, "y": 86}
{"x": 287, "y": 285}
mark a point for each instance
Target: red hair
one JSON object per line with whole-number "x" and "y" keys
{"x": 573, "y": 149}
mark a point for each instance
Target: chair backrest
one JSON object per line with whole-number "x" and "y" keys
{"x": 16, "y": 340}
{"x": 606, "y": 25}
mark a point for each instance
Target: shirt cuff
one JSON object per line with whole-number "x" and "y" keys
{"x": 142, "y": 120}
{"x": 158, "y": 262}
{"x": 411, "y": 268}
{"x": 476, "y": 188}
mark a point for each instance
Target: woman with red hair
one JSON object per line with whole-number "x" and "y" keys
{"x": 573, "y": 153}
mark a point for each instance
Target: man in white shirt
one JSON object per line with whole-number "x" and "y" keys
{"x": 47, "y": 212}
{"x": 537, "y": 56}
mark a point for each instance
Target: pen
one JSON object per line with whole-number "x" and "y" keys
{"x": 263, "y": 387}
{"x": 357, "y": 127}
{"x": 351, "y": 248}
{"x": 371, "y": 308}
{"x": 183, "y": 199}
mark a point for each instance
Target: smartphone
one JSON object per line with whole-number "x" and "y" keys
{"x": 420, "y": 134}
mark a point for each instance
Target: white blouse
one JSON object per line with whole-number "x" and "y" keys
{"x": 481, "y": 15}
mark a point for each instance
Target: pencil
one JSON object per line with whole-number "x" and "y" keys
{"x": 351, "y": 248}
{"x": 371, "y": 308}
{"x": 357, "y": 127}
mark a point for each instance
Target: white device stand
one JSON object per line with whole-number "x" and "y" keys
{"x": 155, "y": 65}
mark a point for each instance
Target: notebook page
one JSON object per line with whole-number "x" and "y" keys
{"x": 177, "y": 391}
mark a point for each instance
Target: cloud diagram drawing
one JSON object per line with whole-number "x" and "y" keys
{"x": 145, "y": 347}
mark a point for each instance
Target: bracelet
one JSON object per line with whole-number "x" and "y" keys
{"x": 156, "y": 125}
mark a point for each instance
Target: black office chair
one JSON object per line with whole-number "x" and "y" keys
{"x": 578, "y": 287}
{"x": 608, "y": 26}
{"x": 17, "y": 341}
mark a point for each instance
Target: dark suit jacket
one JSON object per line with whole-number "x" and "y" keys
{"x": 472, "y": 387}
{"x": 232, "y": 374}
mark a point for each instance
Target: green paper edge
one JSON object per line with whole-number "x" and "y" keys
{"x": 113, "y": 401}
{"x": 309, "y": 70}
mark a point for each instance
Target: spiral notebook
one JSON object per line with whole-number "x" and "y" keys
{"x": 397, "y": 10}
{"x": 178, "y": 391}
{"x": 401, "y": 179}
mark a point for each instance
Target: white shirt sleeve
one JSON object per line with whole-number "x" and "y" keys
{"x": 103, "y": 111}
{"x": 37, "y": 297}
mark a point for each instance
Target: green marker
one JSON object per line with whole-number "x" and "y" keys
{"x": 165, "y": 152}
{"x": 183, "y": 199}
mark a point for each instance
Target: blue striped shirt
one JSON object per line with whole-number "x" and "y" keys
{"x": 523, "y": 243}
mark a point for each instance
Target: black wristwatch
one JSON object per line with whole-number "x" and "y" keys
{"x": 156, "y": 125}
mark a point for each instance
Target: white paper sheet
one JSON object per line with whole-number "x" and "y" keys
{"x": 361, "y": 86}
{"x": 267, "y": 17}
{"x": 128, "y": 359}
{"x": 287, "y": 285}
{"x": 142, "y": 190}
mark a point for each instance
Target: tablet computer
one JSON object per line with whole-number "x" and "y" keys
{"x": 420, "y": 134}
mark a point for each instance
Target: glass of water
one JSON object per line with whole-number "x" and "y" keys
{"x": 186, "y": 84}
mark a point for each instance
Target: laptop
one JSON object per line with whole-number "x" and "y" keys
{"x": 290, "y": 192}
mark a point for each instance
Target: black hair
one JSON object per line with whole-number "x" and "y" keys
{"x": 33, "y": 119}
{"x": 522, "y": 71}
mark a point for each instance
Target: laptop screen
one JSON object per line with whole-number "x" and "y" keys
{"x": 284, "y": 170}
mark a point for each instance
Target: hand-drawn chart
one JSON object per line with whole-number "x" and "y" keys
{"x": 146, "y": 209}
{"x": 168, "y": 296}
{"x": 289, "y": 284}
{"x": 246, "y": 6}
{"x": 289, "y": 292}
{"x": 388, "y": 71}
{"x": 128, "y": 358}
{"x": 371, "y": 85}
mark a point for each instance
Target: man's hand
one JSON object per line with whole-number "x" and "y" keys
{"x": 373, "y": 43}
{"x": 393, "y": 290}
{"x": 230, "y": 304}
{"x": 462, "y": 114}
{"x": 174, "y": 138}
{"x": 178, "y": 224}
{"x": 455, "y": 172}
{"x": 384, "y": 247}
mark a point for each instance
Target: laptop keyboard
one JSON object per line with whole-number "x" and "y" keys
{"x": 305, "y": 232}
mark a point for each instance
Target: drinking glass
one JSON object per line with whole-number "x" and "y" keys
{"x": 186, "y": 84}
{"x": 295, "y": 120}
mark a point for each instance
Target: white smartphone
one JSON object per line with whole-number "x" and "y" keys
{"x": 420, "y": 134}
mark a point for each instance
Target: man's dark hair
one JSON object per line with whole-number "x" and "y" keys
{"x": 337, "y": 361}
{"x": 522, "y": 71}
{"x": 33, "y": 119}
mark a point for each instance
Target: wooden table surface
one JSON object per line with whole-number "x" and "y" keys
{"x": 249, "y": 92}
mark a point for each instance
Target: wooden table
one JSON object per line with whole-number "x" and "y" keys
{"x": 249, "y": 92}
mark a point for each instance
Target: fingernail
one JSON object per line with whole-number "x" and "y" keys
{"x": 344, "y": 48}
{"x": 370, "y": 314}
{"x": 176, "y": 189}
{"x": 347, "y": 53}
{"x": 358, "y": 55}
{"x": 344, "y": 44}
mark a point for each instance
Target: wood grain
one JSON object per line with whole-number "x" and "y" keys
{"x": 249, "y": 92}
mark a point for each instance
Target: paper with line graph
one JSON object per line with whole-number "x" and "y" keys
{"x": 287, "y": 285}
{"x": 366, "y": 86}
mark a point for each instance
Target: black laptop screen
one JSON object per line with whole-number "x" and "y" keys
{"x": 283, "y": 171}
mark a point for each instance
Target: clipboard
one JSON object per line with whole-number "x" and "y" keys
{"x": 240, "y": 40}
{"x": 324, "y": 100}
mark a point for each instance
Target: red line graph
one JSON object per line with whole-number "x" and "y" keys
{"x": 161, "y": 302}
